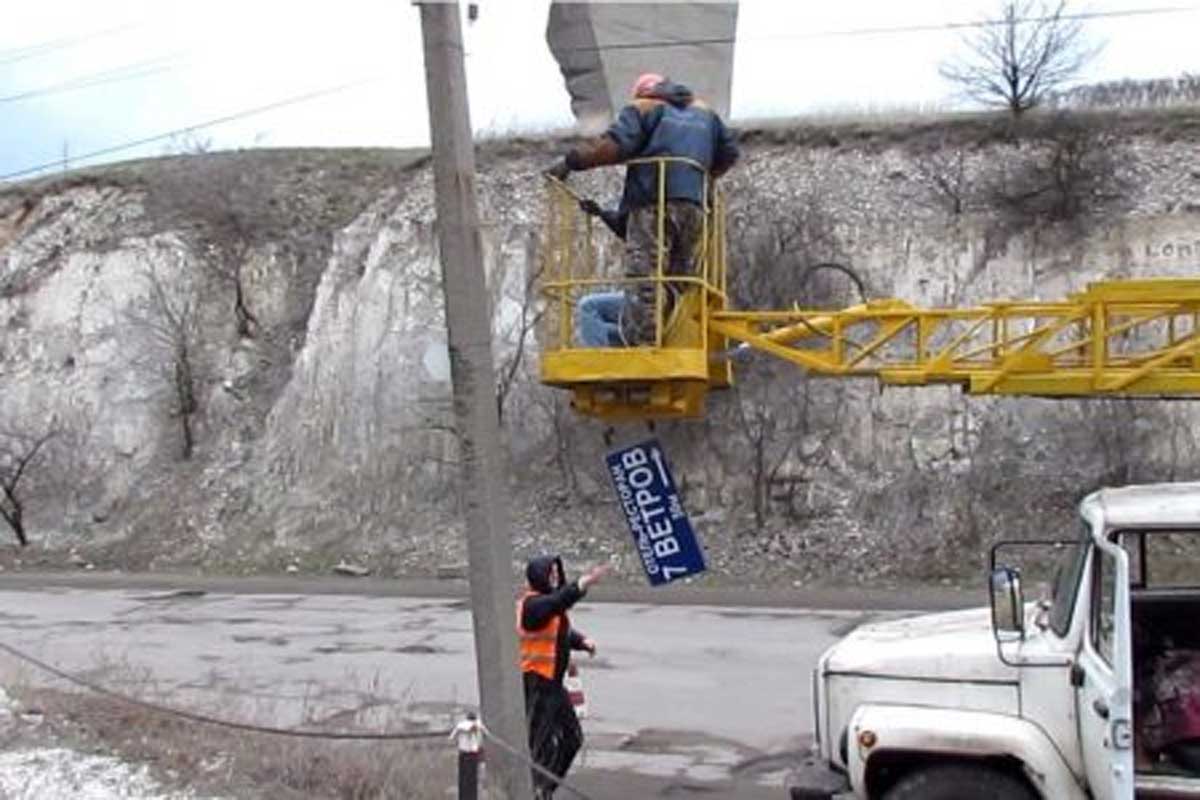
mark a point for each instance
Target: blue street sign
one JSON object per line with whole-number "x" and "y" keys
{"x": 651, "y": 505}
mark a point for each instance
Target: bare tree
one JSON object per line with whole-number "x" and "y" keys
{"x": 783, "y": 259}
{"x": 167, "y": 316}
{"x": 552, "y": 409}
{"x": 508, "y": 370}
{"x": 1015, "y": 61}
{"x": 941, "y": 172}
{"x": 775, "y": 253}
{"x": 787, "y": 422}
{"x": 226, "y": 203}
{"x": 18, "y": 454}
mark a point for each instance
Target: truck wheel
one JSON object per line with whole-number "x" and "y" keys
{"x": 959, "y": 782}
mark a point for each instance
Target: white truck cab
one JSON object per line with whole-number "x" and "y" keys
{"x": 1055, "y": 699}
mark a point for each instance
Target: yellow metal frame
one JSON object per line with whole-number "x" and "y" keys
{"x": 670, "y": 378}
{"x": 1118, "y": 337}
{"x": 1132, "y": 337}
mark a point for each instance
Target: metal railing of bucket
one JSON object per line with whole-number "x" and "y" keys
{"x": 579, "y": 260}
{"x": 574, "y": 260}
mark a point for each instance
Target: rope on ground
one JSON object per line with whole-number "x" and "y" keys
{"x": 204, "y": 719}
{"x": 545, "y": 773}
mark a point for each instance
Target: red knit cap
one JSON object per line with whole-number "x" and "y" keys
{"x": 645, "y": 83}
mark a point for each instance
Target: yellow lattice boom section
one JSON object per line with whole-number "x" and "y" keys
{"x": 1125, "y": 337}
{"x": 1131, "y": 337}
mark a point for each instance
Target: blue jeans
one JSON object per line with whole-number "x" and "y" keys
{"x": 598, "y": 319}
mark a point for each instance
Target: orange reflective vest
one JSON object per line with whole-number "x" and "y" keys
{"x": 539, "y": 648}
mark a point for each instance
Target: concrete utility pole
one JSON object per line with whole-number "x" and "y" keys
{"x": 489, "y": 541}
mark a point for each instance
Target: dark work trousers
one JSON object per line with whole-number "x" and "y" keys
{"x": 683, "y": 232}
{"x": 554, "y": 733}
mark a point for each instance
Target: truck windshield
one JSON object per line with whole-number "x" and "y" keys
{"x": 1066, "y": 581}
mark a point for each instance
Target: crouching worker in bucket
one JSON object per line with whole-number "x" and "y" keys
{"x": 546, "y": 640}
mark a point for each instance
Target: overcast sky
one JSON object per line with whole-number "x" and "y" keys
{"x": 141, "y": 68}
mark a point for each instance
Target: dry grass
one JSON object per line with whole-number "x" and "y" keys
{"x": 876, "y": 129}
{"x": 217, "y": 761}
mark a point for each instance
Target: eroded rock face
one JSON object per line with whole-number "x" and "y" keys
{"x": 326, "y": 425}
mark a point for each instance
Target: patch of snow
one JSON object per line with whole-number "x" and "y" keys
{"x": 51, "y": 773}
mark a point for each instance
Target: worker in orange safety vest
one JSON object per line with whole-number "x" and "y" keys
{"x": 546, "y": 640}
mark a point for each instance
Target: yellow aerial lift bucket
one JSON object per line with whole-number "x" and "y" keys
{"x": 669, "y": 375}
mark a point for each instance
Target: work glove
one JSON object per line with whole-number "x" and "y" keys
{"x": 590, "y": 207}
{"x": 559, "y": 171}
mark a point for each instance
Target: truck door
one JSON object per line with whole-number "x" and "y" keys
{"x": 1103, "y": 677}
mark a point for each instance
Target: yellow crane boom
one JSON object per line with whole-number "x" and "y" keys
{"x": 1117, "y": 337}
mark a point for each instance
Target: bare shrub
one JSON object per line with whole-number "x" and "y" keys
{"x": 226, "y": 204}
{"x": 515, "y": 333}
{"x": 776, "y": 253}
{"x": 166, "y": 319}
{"x": 1131, "y": 93}
{"x": 941, "y": 172}
{"x": 549, "y": 410}
{"x": 785, "y": 430}
{"x": 1064, "y": 171}
{"x": 20, "y": 454}
{"x": 1013, "y": 62}
{"x": 1042, "y": 457}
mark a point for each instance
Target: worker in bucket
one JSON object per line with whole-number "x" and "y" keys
{"x": 664, "y": 119}
{"x": 546, "y": 640}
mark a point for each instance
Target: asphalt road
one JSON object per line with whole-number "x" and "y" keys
{"x": 703, "y": 592}
{"x": 711, "y": 697}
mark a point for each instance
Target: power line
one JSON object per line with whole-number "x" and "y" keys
{"x": 298, "y": 733}
{"x": 129, "y": 72}
{"x": 876, "y": 31}
{"x": 250, "y": 112}
{"x": 205, "y": 719}
{"x": 104, "y": 78}
{"x": 17, "y": 54}
{"x": 140, "y": 69}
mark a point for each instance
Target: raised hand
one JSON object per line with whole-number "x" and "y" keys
{"x": 592, "y": 575}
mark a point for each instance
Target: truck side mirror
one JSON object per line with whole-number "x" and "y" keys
{"x": 1008, "y": 605}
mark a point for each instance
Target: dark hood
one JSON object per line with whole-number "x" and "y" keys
{"x": 676, "y": 94}
{"x": 537, "y": 572}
